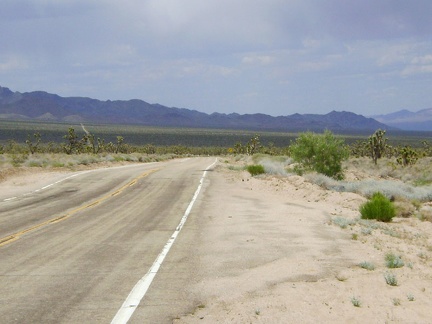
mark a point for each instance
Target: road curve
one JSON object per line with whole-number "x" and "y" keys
{"x": 72, "y": 252}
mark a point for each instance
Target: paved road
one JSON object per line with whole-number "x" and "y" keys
{"x": 72, "y": 252}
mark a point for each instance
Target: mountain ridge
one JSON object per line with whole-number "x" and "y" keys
{"x": 44, "y": 106}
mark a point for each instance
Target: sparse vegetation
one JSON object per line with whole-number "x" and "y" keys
{"x": 323, "y": 153}
{"x": 343, "y": 222}
{"x": 390, "y": 279}
{"x": 396, "y": 301}
{"x": 393, "y": 261}
{"x": 366, "y": 230}
{"x": 367, "y": 265}
{"x": 355, "y": 301}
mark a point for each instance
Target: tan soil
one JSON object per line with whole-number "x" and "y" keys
{"x": 269, "y": 253}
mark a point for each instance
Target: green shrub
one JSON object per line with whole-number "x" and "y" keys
{"x": 393, "y": 261}
{"x": 378, "y": 207}
{"x": 322, "y": 153}
{"x": 255, "y": 169}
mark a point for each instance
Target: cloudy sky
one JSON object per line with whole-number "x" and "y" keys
{"x": 277, "y": 57}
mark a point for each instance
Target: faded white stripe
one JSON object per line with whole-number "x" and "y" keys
{"x": 140, "y": 289}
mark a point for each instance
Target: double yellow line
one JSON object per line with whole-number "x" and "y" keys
{"x": 13, "y": 237}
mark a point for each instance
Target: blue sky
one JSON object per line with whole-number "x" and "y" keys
{"x": 277, "y": 57}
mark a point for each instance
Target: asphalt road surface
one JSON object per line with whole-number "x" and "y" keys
{"x": 72, "y": 252}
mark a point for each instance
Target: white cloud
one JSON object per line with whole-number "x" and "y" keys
{"x": 417, "y": 69}
{"x": 418, "y": 65}
{"x": 258, "y": 59}
{"x": 393, "y": 54}
{"x": 426, "y": 59}
{"x": 187, "y": 69}
{"x": 314, "y": 66}
{"x": 10, "y": 64}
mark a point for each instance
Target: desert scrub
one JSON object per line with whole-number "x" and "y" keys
{"x": 366, "y": 231}
{"x": 235, "y": 168}
{"x": 425, "y": 215}
{"x": 393, "y": 261}
{"x": 255, "y": 169}
{"x": 367, "y": 265}
{"x": 355, "y": 301}
{"x": 405, "y": 209}
{"x": 390, "y": 279}
{"x": 396, "y": 301}
{"x": 274, "y": 164}
{"x": 367, "y": 187}
{"x": 378, "y": 207}
{"x": 343, "y": 222}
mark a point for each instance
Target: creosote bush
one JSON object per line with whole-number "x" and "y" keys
{"x": 378, "y": 207}
{"x": 255, "y": 169}
{"x": 322, "y": 153}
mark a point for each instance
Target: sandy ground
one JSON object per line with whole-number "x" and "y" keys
{"x": 281, "y": 256}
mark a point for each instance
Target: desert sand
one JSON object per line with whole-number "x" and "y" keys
{"x": 278, "y": 249}
{"x": 270, "y": 253}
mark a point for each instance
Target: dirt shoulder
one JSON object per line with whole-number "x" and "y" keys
{"x": 271, "y": 251}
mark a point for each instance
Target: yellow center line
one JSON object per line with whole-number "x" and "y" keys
{"x": 13, "y": 237}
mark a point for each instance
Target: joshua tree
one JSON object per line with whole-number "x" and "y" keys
{"x": 377, "y": 145}
{"x": 33, "y": 146}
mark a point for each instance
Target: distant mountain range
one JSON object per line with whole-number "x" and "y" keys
{"x": 43, "y": 106}
{"x": 408, "y": 120}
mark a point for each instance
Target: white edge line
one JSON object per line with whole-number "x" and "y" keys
{"x": 140, "y": 289}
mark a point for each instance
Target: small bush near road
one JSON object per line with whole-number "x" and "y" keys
{"x": 378, "y": 207}
{"x": 255, "y": 169}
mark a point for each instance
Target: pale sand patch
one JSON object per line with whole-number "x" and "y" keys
{"x": 269, "y": 253}
{"x": 23, "y": 181}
